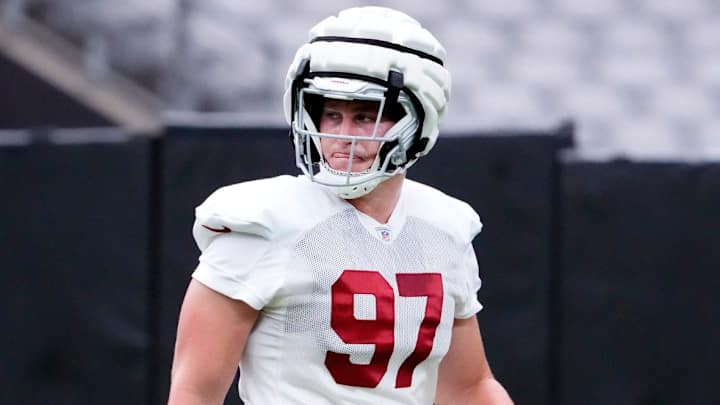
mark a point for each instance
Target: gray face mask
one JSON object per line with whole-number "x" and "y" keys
{"x": 392, "y": 143}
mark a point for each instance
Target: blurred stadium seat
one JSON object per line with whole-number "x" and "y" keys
{"x": 515, "y": 62}
{"x": 589, "y": 10}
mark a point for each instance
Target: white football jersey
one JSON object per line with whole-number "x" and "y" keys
{"x": 351, "y": 311}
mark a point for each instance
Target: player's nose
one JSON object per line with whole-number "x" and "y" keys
{"x": 348, "y": 126}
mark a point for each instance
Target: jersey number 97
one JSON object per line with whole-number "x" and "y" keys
{"x": 381, "y": 330}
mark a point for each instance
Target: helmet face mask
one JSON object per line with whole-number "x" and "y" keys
{"x": 392, "y": 143}
{"x": 369, "y": 55}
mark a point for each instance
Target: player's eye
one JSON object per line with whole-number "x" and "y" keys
{"x": 332, "y": 115}
{"x": 365, "y": 118}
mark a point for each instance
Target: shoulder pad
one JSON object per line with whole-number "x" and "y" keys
{"x": 454, "y": 216}
{"x": 251, "y": 207}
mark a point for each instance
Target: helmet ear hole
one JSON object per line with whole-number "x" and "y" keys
{"x": 417, "y": 147}
{"x": 385, "y": 149}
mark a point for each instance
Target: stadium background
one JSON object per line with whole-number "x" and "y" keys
{"x": 585, "y": 132}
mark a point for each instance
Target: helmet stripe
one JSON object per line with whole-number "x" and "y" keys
{"x": 377, "y": 42}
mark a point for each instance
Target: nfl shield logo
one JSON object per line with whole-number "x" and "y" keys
{"x": 384, "y": 234}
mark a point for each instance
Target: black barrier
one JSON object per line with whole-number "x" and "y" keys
{"x": 598, "y": 277}
{"x": 75, "y": 263}
{"x": 508, "y": 179}
{"x": 195, "y": 162}
{"x": 641, "y": 257}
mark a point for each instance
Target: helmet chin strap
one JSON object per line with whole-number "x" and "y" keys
{"x": 349, "y": 192}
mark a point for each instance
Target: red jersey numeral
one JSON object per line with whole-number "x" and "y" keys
{"x": 421, "y": 285}
{"x": 380, "y": 331}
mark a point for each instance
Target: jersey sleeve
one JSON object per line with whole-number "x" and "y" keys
{"x": 237, "y": 231}
{"x": 241, "y": 266}
{"x": 468, "y": 305}
{"x": 242, "y": 208}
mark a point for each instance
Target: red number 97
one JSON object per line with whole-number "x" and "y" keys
{"x": 380, "y": 331}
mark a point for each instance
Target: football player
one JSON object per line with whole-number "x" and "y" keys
{"x": 348, "y": 284}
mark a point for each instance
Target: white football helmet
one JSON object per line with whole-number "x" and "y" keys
{"x": 367, "y": 53}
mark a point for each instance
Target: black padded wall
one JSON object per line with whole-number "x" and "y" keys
{"x": 194, "y": 162}
{"x": 599, "y": 278}
{"x": 75, "y": 254}
{"x": 641, "y": 258}
{"x": 510, "y": 181}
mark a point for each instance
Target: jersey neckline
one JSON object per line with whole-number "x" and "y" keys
{"x": 386, "y": 232}
{"x": 389, "y": 231}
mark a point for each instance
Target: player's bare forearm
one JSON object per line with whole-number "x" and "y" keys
{"x": 188, "y": 396}
{"x": 189, "y": 387}
{"x": 464, "y": 376}
{"x": 487, "y": 391}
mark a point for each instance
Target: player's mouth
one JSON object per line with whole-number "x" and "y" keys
{"x": 341, "y": 160}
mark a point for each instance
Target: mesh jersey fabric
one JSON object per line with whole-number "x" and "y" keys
{"x": 351, "y": 311}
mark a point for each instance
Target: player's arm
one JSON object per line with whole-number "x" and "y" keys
{"x": 464, "y": 376}
{"x": 211, "y": 336}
